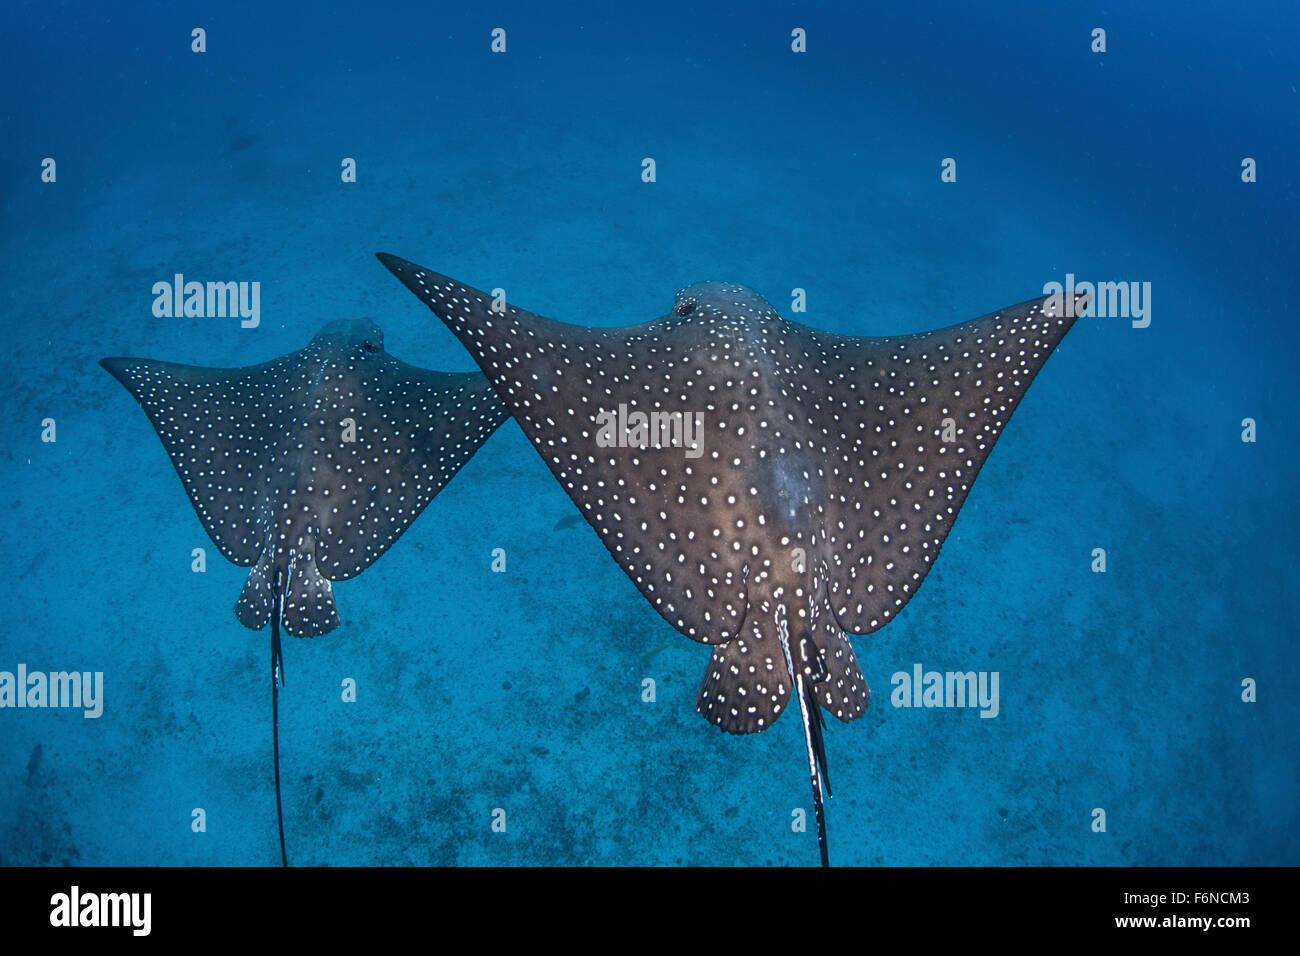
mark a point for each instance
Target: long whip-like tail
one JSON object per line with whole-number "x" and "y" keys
{"x": 812, "y": 733}
{"x": 277, "y": 679}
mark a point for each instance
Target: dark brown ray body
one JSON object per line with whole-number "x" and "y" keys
{"x": 310, "y": 466}
{"x": 313, "y": 464}
{"x": 827, "y": 471}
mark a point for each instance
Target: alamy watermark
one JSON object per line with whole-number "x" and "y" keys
{"x": 208, "y": 300}
{"x": 922, "y": 688}
{"x": 1123, "y": 300}
{"x": 637, "y": 429}
{"x": 75, "y": 908}
{"x": 82, "y": 690}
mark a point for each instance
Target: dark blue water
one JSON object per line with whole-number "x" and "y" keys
{"x": 820, "y": 171}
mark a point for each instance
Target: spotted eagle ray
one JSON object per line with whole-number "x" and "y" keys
{"x": 811, "y": 502}
{"x": 310, "y": 466}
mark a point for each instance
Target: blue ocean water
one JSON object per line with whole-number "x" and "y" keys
{"x": 819, "y": 170}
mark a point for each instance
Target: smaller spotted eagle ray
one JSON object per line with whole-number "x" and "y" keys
{"x": 810, "y": 503}
{"x": 310, "y": 466}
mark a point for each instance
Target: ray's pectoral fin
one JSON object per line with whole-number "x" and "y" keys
{"x": 307, "y": 607}
{"x": 550, "y": 372}
{"x": 938, "y": 403}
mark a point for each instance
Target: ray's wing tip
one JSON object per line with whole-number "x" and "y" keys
{"x": 404, "y": 269}
{"x": 411, "y": 273}
{"x": 115, "y": 366}
{"x": 1081, "y": 300}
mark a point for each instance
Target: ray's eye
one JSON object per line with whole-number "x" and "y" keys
{"x": 370, "y": 345}
{"x": 686, "y": 308}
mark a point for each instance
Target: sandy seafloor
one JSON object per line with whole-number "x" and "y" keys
{"x": 522, "y": 690}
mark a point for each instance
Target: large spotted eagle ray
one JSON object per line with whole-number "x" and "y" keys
{"x": 310, "y": 466}
{"x": 810, "y": 501}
